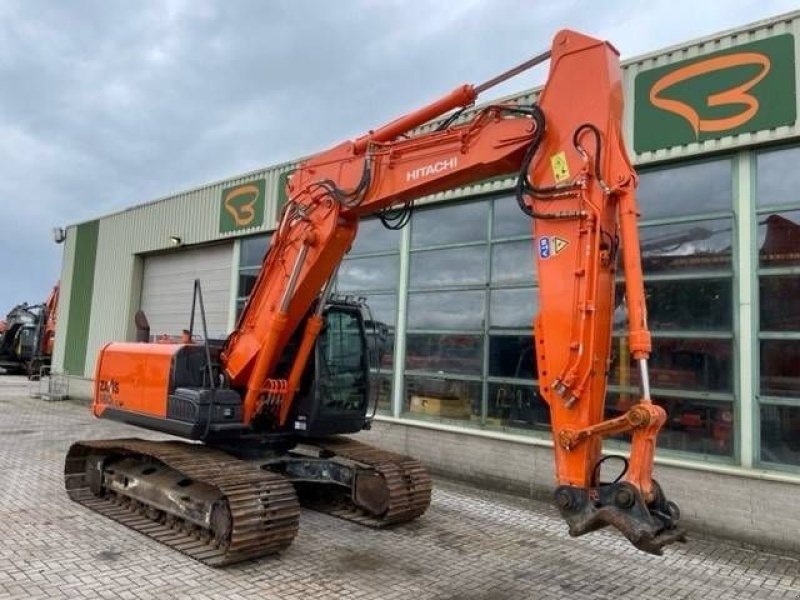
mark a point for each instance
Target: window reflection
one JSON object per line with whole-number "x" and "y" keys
{"x": 700, "y": 245}
{"x": 512, "y": 262}
{"x": 381, "y": 389}
{"x": 446, "y": 310}
{"x": 252, "y": 250}
{"x": 247, "y": 279}
{"x": 779, "y": 303}
{"x": 703, "y": 427}
{"x": 372, "y": 273}
{"x": 780, "y": 368}
{"x": 381, "y": 327}
{"x": 451, "y": 399}
{"x": 691, "y": 364}
{"x": 372, "y": 236}
{"x": 383, "y": 308}
{"x": 518, "y": 407}
{"x": 780, "y": 434}
{"x": 693, "y": 304}
{"x": 685, "y": 190}
{"x": 512, "y": 356}
{"x": 779, "y": 239}
{"x": 509, "y": 220}
{"x": 446, "y": 353}
{"x": 450, "y": 224}
{"x": 453, "y": 266}
{"x": 778, "y": 178}
{"x": 514, "y": 308}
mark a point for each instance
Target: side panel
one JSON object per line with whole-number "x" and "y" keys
{"x": 65, "y": 291}
{"x": 80, "y": 298}
{"x": 134, "y": 378}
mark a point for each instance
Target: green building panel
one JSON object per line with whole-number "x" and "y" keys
{"x": 80, "y": 300}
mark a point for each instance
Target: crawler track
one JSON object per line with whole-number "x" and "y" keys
{"x": 262, "y": 508}
{"x": 409, "y": 485}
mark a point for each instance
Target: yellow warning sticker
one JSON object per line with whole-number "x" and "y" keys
{"x": 559, "y": 244}
{"x": 558, "y": 162}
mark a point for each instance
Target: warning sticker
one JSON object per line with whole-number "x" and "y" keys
{"x": 558, "y": 162}
{"x": 551, "y": 246}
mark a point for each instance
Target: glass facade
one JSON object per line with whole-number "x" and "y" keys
{"x": 777, "y": 224}
{"x": 251, "y": 254}
{"x": 371, "y": 271}
{"x": 471, "y": 297}
{"x": 459, "y": 287}
{"x": 686, "y": 233}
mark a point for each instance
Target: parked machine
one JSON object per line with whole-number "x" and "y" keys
{"x": 271, "y": 403}
{"x": 28, "y": 335}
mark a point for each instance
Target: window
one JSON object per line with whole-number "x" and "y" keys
{"x": 778, "y": 247}
{"x": 371, "y": 271}
{"x": 341, "y": 376}
{"x": 251, "y": 255}
{"x": 448, "y": 271}
{"x": 687, "y": 244}
{"x": 471, "y": 301}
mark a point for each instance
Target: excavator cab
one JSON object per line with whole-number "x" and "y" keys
{"x": 335, "y": 391}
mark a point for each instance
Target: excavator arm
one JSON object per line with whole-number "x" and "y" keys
{"x": 576, "y": 185}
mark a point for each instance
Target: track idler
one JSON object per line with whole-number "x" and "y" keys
{"x": 648, "y": 526}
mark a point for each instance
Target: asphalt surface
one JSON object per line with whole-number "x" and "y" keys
{"x": 471, "y": 545}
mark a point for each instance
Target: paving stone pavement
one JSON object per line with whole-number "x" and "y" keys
{"x": 471, "y": 545}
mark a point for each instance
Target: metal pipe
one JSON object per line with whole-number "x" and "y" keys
{"x": 459, "y": 97}
{"x": 326, "y": 291}
{"x": 298, "y": 264}
{"x": 199, "y": 295}
{"x": 528, "y": 64}
{"x": 644, "y": 378}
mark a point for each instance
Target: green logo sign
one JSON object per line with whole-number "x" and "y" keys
{"x": 742, "y": 89}
{"x": 242, "y": 206}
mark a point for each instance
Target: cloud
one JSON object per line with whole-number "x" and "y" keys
{"x": 107, "y": 104}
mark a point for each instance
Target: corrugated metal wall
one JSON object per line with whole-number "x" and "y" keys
{"x": 194, "y": 215}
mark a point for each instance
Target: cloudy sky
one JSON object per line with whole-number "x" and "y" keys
{"x": 109, "y": 103}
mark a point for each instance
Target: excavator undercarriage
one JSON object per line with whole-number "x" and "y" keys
{"x": 220, "y": 509}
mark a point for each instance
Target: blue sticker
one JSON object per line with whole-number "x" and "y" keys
{"x": 544, "y": 247}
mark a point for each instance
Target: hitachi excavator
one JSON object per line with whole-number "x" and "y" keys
{"x": 27, "y": 336}
{"x": 270, "y": 405}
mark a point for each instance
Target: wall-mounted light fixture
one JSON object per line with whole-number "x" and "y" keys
{"x": 175, "y": 240}
{"x": 59, "y": 235}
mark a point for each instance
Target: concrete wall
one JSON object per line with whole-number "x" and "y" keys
{"x": 756, "y": 508}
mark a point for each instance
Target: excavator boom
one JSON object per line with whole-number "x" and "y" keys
{"x": 577, "y": 185}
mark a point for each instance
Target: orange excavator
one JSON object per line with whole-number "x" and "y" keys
{"x": 27, "y": 336}
{"x": 270, "y": 405}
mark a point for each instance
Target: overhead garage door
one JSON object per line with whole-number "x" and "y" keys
{"x": 167, "y": 285}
